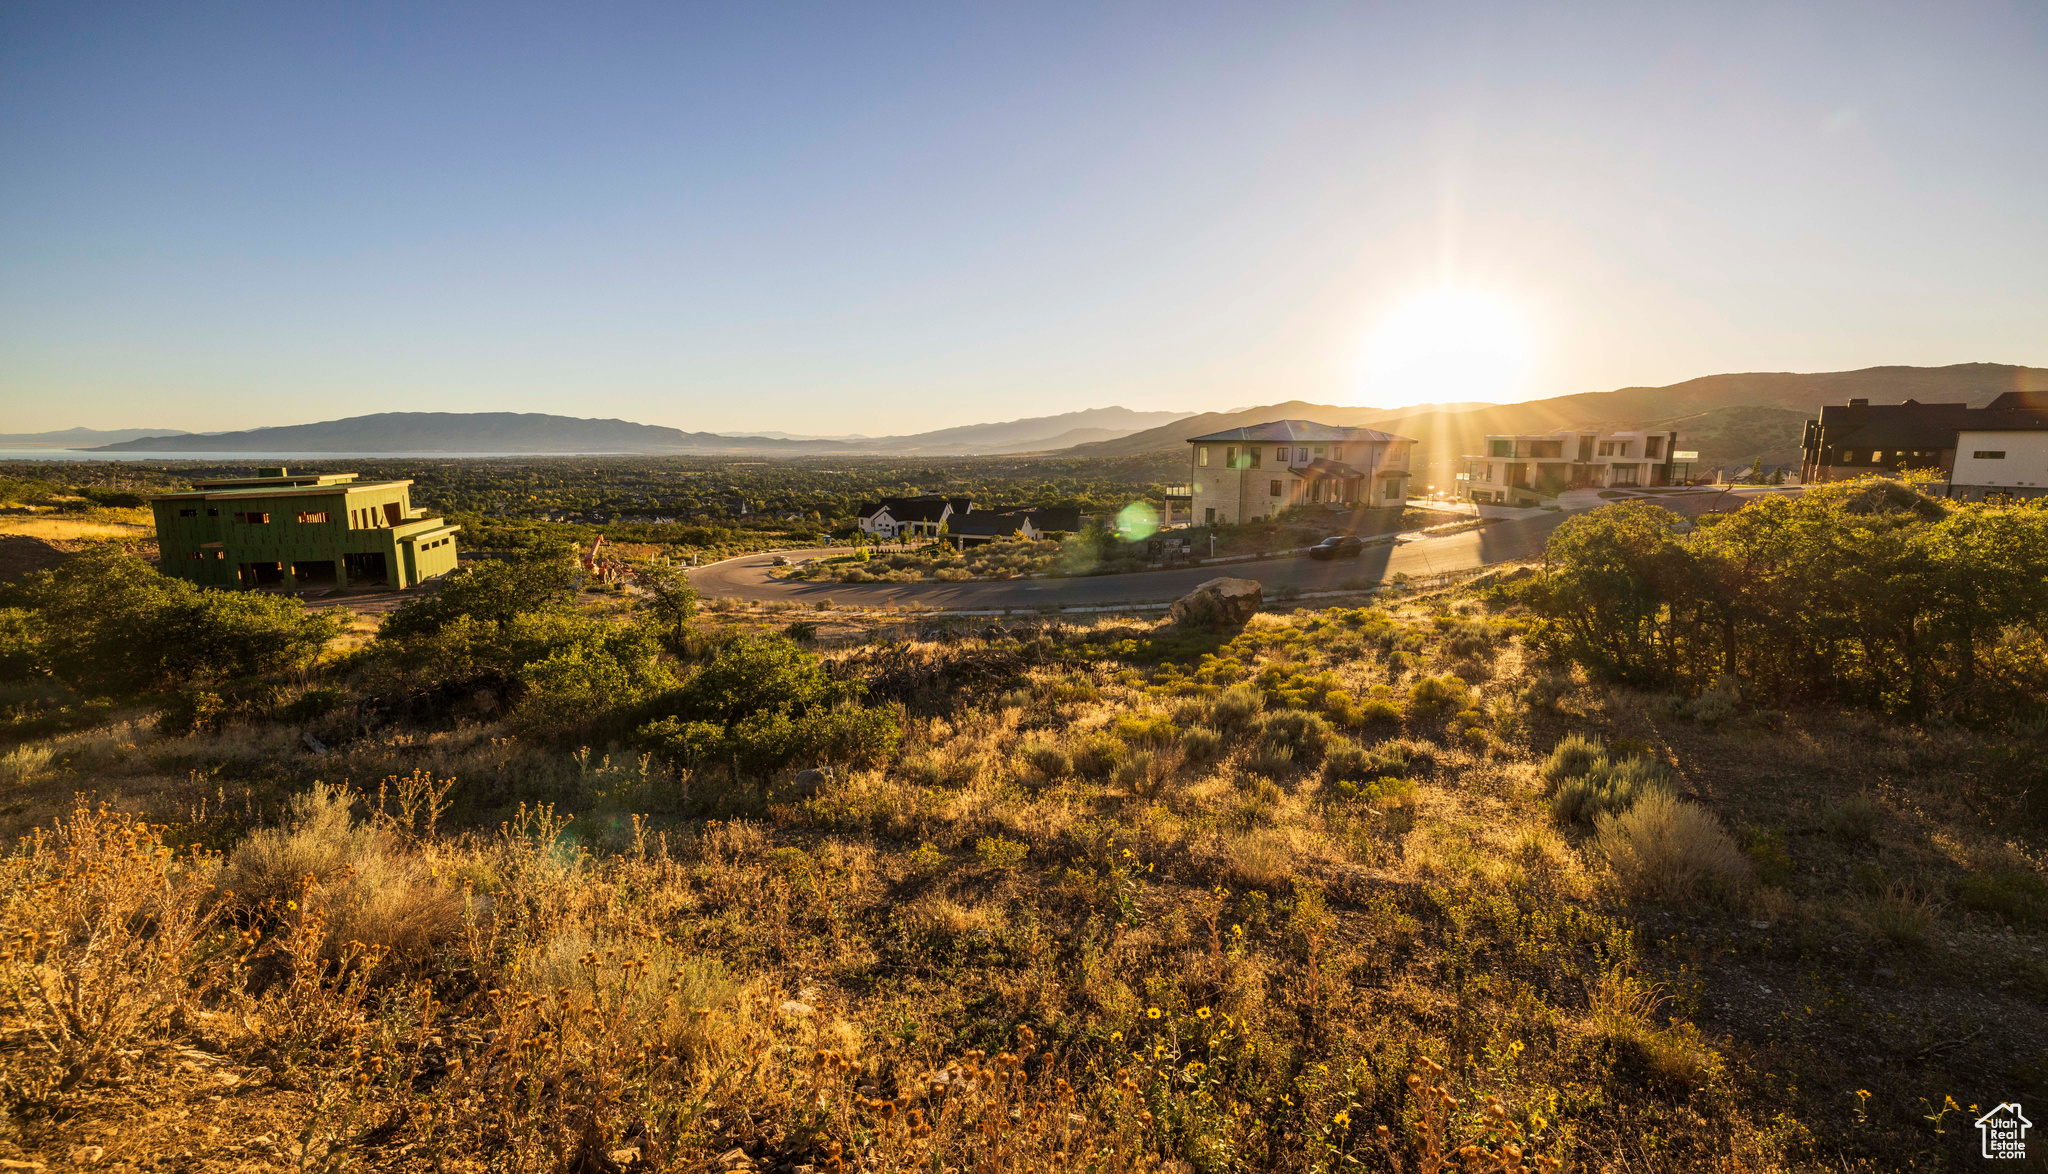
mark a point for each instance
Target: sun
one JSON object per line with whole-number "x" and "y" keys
{"x": 1446, "y": 345}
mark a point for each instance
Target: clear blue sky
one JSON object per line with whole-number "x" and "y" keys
{"x": 884, "y": 218}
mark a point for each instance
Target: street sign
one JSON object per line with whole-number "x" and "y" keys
{"x": 1685, "y": 456}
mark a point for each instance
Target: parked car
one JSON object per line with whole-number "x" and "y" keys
{"x": 1344, "y": 545}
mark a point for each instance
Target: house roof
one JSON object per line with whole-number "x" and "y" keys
{"x": 1056, "y": 517}
{"x": 1324, "y": 467}
{"x": 1914, "y": 425}
{"x": 277, "y": 491}
{"x": 908, "y": 509}
{"x": 1299, "y": 431}
{"x": 987, "y": 523}
{"x": 925, "y": 510}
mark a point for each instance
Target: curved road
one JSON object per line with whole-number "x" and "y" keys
{"x": 747, "y": 577}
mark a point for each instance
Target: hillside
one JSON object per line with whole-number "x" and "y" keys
{"x": 1734, "y": 435}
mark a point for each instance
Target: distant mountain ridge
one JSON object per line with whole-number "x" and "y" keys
{"x": 1735, "y": 418}
{"x": 534, "y": 432}
{"x": 76, "y": 437}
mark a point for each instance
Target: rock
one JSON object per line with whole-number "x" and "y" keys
{"x": 810, "y": 782}
{"x": 312, "y": 743}
{"x": 1220, "y": 604}
{"x": 795, "y": 1010}
{"x": 735, "y": 1159}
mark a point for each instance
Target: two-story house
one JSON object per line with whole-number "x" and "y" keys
{"x": 903, "y": 517}
{"x": 1525, "y": 468}
{"x": 277, "y": 529}
{"x": 1999, "y": 450}
{"x": 1256, "y": 472}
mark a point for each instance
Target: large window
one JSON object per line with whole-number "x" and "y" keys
{"x": 253, "y": 519}
{"x": 1275, "y": 490}
{"x": 1202, "y": 455}
{"x": 313, "y": 515}
{"x": 1255, "y": 455}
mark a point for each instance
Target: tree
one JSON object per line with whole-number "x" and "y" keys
{"x": 108, "y": 624}
{"x": 669, "y": 596}
{"x": 492, "y": 592}
{"x": 1611, "y": 578}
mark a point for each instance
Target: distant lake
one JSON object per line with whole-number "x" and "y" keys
{"x": 79, "y": 454}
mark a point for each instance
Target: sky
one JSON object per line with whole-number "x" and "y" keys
{"x": 888, "y": 218}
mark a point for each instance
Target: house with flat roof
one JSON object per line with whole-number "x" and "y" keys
{"x": 284, "y": 530}
{"x": 1256, "y": 472}
{"x": 2000, "y": 450}
{"x": 1524, "y": 468}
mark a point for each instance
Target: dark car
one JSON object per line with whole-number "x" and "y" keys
{"x": 1346, "y": 545}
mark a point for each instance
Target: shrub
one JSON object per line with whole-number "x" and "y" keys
{"x": 106, "y": 938}
{"x": 669, "y": 1001}
{"x": 1304, "y": 734}
{"x": 1098, "y": 755}
{"x": 1544, "y": 691}
{"x": 1572, "y": 757}
{"x": 1235, "y": 707}
{"x": 2021, "y": 897}
{"x": 1899, "y": 916}
{"x": 802, "y": 631}
{"x": 1271, "y": 758}
{"x": 997, "y": 852}
{"x": 1200, "y": 745}
{"x": 1665, "y": 850}
{"x": 1051, "y": 762}
{"x": 1436, "y": 698}
{"x": 1150, "y": 729}
{"x": 1607, "y": 789}
{"x": 25, "y": 762}
{"x": 314, "y": 704}
{"x": 1854, "y": 820}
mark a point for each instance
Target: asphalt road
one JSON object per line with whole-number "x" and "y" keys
{"x": 747, "y": 577}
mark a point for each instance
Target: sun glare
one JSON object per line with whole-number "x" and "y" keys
{"x": 1449, "y": 344}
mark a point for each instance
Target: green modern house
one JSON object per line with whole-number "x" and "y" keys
{"x": 280, "y": 530}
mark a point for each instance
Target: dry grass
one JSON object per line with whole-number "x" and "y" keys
{"x": 1090, "y": 918}
{"x": 1663, "y": 849}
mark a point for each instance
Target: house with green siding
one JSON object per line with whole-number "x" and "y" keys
{"x": 281, "y": 530}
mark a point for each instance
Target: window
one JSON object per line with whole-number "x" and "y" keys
{"x": 1336, "y": 452}
{"x": 313, "y": 515}
{"x": 1877, "y": 457}
{"x": 1255, "y": 456}
{"x": 195, "y": 554}
{"x": 1319, "y": 450}
{"x": 254, "y": 519}
{"x": 1202, "y": 456}
{"x": 188, "y": 513}
{"x": 1506, "y": 448}
{"x": 1209, "y": 516}
{"x": 213, "y": 513}
{"x": 1275, "y": 490}
{"x": 1230, "y": 457}
{"x": 1988, "y": 454}
{"x": 1650, "y": 445}
{"x": 220, "y": 554}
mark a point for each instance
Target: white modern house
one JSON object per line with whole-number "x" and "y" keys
{"x": 1525, "y": 468}
{"x": 2008, "y": 462}
{"x": 1256, "y": 472}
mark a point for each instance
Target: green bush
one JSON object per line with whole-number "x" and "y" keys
{"x": 1607, "y": 789}
{"x": 1236, "y": 707}
{"x": 1051, "y": 762}
{"x": 997, "y": 852}
{"x": 1098, "y": 755}
{"x": 1303, "y": 734}
{"x": 110, "y": 625}
{"x": 1200, "y": 745}
{"x": 1572, "y": 757}
{"x": 1433, "y": 699}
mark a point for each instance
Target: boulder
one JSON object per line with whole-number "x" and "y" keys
{"x": 810, "y": 782}
{"x": 1218, "y": 605}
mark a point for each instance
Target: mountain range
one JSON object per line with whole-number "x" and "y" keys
{"x": 1727, "y": 419}
{"x": 80, "y": 437}
{"x": 533, "y": 432}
